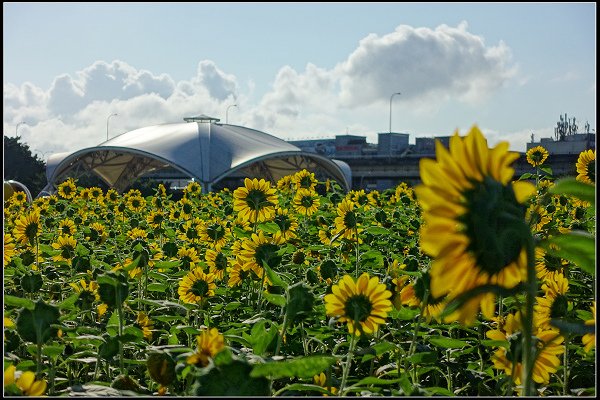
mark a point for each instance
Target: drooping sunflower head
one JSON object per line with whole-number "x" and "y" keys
{"x": 188, "y": 257}
{"x": 536, "y": 156}
{"x": 286, "y": 222}
{"x": 586, "y": 167}
{"x": 363, "y": 304}
{"x": 66, "y": 227}
{"x": 255, "y": 201}
{"x": 215, "y": 232}
{"x": 143, "y": 322}
{"x": 474, "y": 217}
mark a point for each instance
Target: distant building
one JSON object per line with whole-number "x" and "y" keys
{"x": 392, "y": 144}
{"x": 567, "y": 138}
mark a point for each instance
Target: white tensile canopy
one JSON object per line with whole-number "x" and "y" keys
{"x": 200, "y": 149}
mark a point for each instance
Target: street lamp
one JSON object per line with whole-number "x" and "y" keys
{"x": 391, "y": 97}
{"x": 17, "y": 128}
{"x": 108, "y": 119}
{"x": 227, "y": 112}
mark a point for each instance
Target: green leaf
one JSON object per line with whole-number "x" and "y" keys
{"x": 157, "y": 287}
{"x": 461, "y": 299}
{"x": 109, "y": 348}
{"x": 426, "y": 357}
{"x": 277, "y": 299}
{"x": 161, "y": 367}
{"x": 371, "y": 380}
{"x": 166, "y": 264}
{"x": 303, "y": 367}
{"x": 69, "y": 302}
{"x": 525, "y": 176}
{"x": 573, "y": 187}
{"x": 404, "y": 313}
{"x": 53, "y": 351}
{"x": 269, "y": 227}
{"x": 274, "y": 277}
{"x": 18, "y": 302}
{"x": 261, "y": 337}
{"x": 495, "y": 343}
{"x": 231, "y": 380}
{"x": 304, "y": 387}
{"x": 36, "y": 325}
{"x": 576, "y": 246}
{"x": 377, "y": 230}
{"x": 447, "y": 343}
{"x": 405, "y": 384}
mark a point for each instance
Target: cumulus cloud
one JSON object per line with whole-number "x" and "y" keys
{"x": 424, "y": 64}
{"x": 429, "y": 66}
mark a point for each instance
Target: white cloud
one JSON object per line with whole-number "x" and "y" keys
{"x": 429, "y": 66}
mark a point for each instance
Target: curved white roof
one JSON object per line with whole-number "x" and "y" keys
{"x": 207, "y": 152}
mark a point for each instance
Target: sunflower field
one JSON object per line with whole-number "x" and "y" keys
{"x": 472, "y": 283}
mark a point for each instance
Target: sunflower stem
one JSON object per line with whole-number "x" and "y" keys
{"x": 528, "y": 355}
{"x": 347, "y": 364}
{"x": 357, "y": 252}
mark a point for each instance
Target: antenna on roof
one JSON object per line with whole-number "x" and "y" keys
{"x": 201, "y": 118}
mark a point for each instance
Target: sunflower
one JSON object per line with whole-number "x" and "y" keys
{"x": 217, "y": 263}
{"x": 137, "y": 234}
{"x": 413, "y": 295}
{"x": 28, "y": 385}
{"x": 469, "y": 209}
{"x": 545, "y": 264}
{"x": 155, "y": 219}
{"x": 188, "y": 257}
{"x": 258, "y": 249}
{"x": 589, "y": 339}
{"x": 536, "y": 156}
{"x": 286, "y": 183}
{"x": 360, "y": 198}
{"x": 67, "y": 189}
{"x": 186, "y": 207}
{"x": 237, "y": 273}
{"x": 325, "y": 236}
{"x": 537, "y": 217}
{"x": 306, "y": 202}
{"x": 304, "y": 180}
{"x": 287, "y": 224}
{"x": 193, "y": 189}
{"x": 321, "y": 380}
{"x": 136, "y": 203}
{"x": 97, "y": 233}
{"x": 554, "y": 303}
{"x": 196, "y": 286}
{"x": 346, "y": 223}
{"x": 209, "y": 343}
{"x": 215, "y": 233}
{"x": 143, "y": 322}
{"x": 255, "y": 201}
{"x": 66, "y": 244}
{"x": 190, "y": 230}
{"x": 9, "y": 248}
{"x": 586, "y": 166}
{"x": 112, "y": 195}
{"x": 364, "y": 304}
{"x": 18, "y": 198}
{"x": 88, "y": 293}
{"x": 548, "y": 343}
{"x": 66, "y": 227}
{"x": 27, "y": 228}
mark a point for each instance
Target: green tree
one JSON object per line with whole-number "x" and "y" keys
{"x": 21, "y": 165}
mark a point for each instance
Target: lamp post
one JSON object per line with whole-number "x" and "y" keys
{"x": 17, "y": 128}
{"x": 227, "y": 112}
{"x": 391, "y": 97}
{"x": 108, "y": 119}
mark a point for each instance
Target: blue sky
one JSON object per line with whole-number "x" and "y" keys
{"x": 297, "y": 70}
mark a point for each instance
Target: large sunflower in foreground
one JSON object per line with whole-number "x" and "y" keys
{"x": 586, "y": 166}
{"x": 536, "y": 156}
{"x": 255, "y": 201}
{"x": 472, "y": 220}
{"x": 548, "y": 343}
{"x": 196, "y": 286}
{"x": 364, "y": 304}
